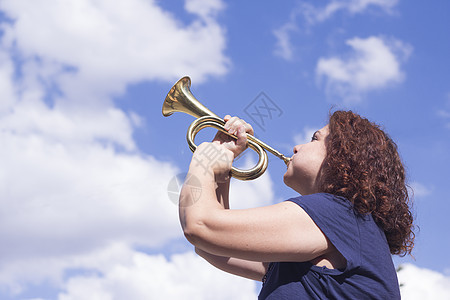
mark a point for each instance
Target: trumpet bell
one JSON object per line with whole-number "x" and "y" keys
{"x": 180, "y": 99}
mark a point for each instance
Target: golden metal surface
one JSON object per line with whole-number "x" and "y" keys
{"x": 180, "y": 99}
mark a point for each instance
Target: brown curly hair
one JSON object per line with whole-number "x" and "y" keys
{"x": 363, "y": 165}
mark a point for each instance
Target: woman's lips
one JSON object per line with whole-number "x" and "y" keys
{"x": 289, "y": 162}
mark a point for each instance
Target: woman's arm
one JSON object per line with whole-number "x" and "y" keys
{"x": 244, "y": 268}
{"x": 222, "y": 193}
{"x": 280, "y": 232}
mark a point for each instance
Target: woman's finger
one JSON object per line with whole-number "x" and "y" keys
{"x": 233, "y": 123}
{"x": 241, "y": 142}
{"x": 249, "y": 128}
{"x": 230, "y": 123}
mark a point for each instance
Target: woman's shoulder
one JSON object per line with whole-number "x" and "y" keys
{"x": 323, "y": 201}
{"x": 340, "y": 223}
{"x": 322, "y": 195}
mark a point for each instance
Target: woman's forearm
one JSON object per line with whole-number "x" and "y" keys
{"x": 200, "y": 209}
{"x": 244, "y": 268}
{"x": 196, "y": 200}
{"x": 222, "y": 193}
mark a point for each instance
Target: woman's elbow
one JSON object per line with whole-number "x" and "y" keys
{"x": 194, "y": 231}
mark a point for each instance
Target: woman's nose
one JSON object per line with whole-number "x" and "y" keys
{"x": 296, "y": 148}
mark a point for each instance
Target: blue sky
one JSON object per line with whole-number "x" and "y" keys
{"x": 87, "y": 156}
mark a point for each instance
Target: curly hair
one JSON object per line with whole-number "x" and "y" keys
{"x": 363, "y": 165}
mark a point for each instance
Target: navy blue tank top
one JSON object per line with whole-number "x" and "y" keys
{"x": 369, "y": 272}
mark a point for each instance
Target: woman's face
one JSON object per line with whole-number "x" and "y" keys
{"x": 303, "y": 169}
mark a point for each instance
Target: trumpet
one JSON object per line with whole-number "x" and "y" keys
{"x": 180, "y": 99}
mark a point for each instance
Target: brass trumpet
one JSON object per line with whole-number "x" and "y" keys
{"x": 180, "y": 99}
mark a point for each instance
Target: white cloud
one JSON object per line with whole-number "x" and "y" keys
{"x": 76, "y": 193}
{"x": 419, "y": 283}
{"x": 184, "y": 276}
{"x": 255, "y": 193}
{"x": 302, "y": 137}
{"x": 444, "y": 113}
{"x": 316, "y": 15}
{"x": 204, "y": 8}
{"x": 16, "y": 275}
{"x": 312, "y": 15}
{"x": 283, "y": 45}
{"x": 73, "y": 181}
{"x": 108, "y": 45}
{"x": 7, "y": 88}
{"x": 374, "y": 64}
{"x": 60, "y": 200}
{"x": 70, "y": 126}
{"x": 305, "y": 136}
{"x": 420, "y": 190}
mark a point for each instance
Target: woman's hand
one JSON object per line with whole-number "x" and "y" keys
{"x": 238, "y": 127}
{"x": 212, "y": 159}
{"x": 217, "y": 157}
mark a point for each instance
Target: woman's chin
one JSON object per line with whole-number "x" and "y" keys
{"x": 286, "y": 179}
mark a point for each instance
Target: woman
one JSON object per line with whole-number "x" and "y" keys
{"x": 333, "y": 242}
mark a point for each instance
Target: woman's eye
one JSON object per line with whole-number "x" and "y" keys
{"x": 314, "y": 138}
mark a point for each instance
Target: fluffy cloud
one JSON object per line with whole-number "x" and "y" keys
{"x": 420, "y": 190}
{"x": 73, "y": 183}
{"x": 141, "y": 276}
{"x": 204, "y": 8}
{"x": 420, "y": 283}
{"x": 77, "y": 195}
{"x": 60, "y": 199}
{"x": 305, "y": 136}
{"x": 374, "y": 64}
{"x": 101, "y": 46}
{"x": 311, "y": 15}
{"x": 315, "y": 15}
{"x": 258, "y": 192}
{"x": 283, "y": 46}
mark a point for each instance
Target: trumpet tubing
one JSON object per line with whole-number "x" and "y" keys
{"x": 180, "y": 99}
